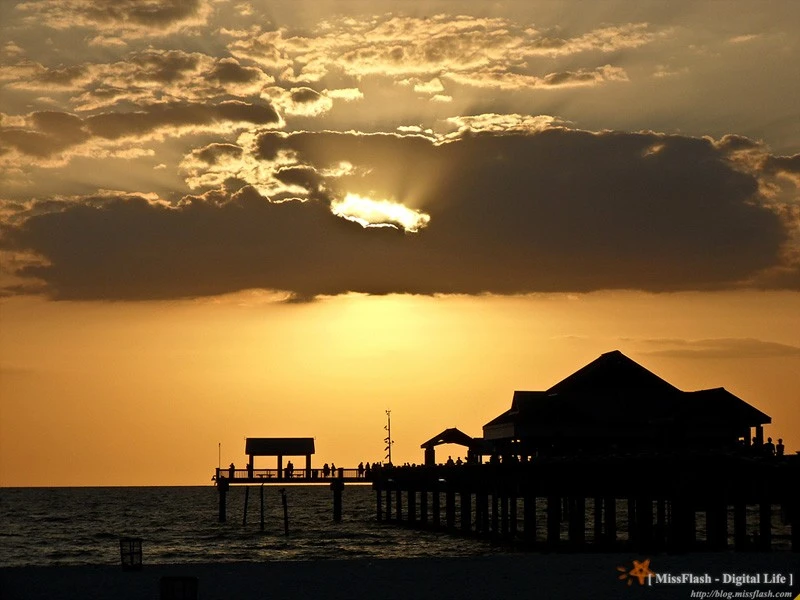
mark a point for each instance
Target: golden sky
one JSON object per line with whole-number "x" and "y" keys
{"x": 223, "y": 218}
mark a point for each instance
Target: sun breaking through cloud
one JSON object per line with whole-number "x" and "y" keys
{"x": 379, "y": 213}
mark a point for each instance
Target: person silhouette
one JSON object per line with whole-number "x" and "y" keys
{"x": 231, "y": 471}
{"x": 769, "y": 447}
{"x": 361, "y": 469}
{"x": 779, "y": 448}
{"x": 326, "y": 470}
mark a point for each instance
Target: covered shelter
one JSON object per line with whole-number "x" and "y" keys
{"x": 452, "y": 436}
{"x": 279, "y": 447}
{"x": 614, "y": 403}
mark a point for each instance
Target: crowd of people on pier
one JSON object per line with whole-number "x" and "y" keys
{"x": 767, "y": 448}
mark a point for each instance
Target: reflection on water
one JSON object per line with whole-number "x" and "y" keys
{"x": 47, "y": 526}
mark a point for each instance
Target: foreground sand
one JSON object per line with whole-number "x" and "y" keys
{"x": 521, "y": 576}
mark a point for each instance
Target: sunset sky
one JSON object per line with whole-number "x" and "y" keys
{"x": 225, "y": 218}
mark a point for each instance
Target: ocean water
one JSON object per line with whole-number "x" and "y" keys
{"x": 82, "y": 526}
{"x": 79, "y": 526}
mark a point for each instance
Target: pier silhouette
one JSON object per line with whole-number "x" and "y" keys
{"x": 650, "y": 461}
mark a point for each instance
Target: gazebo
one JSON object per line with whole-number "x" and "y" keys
{"x": 452, "y": 436}
{"x": 279, "y": 447}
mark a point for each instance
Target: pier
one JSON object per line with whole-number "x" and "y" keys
{"x": 611, "y": 458}
{"x": 642, "y": 503}
{"x": 281, "y": 448}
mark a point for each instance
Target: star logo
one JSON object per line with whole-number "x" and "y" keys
{"x": 641, "y": 571}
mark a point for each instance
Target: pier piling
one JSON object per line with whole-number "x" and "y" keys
{"x": 285, "y": 503}
{"x": 337, "y": 485}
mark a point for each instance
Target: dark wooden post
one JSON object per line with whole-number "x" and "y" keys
{"x": 765, "y": 525}
{"x": 412, "y": 506}
{"x": 529, "y": 516}
{"x": 388, "y": 504}
{"x": 644, "y": 524}
{"x": 481, "y": 511}
{"x": 246, "y": 498}
{"x": 682, "y": 525}
{"x": 610, "y": 530}
{"x": 466, "y": 511}
{"x": 717, "y": 524}
{"x": 222, "y": 488}
{"x": 436, "y": 508}
{"x": 553, "y": 521}
{"x": 740, "y": 541}
{"x": 495, "y": 513}
{"x": 262, "y": 507}
{"x": 308, "y": 466}
{"x": 661, "y": 527}
{"x": 512, "y": 516}
{"x": 597, "y": 515}
{"x": 286, "y": 511}
{"x": 503, "y": 514}
{"x": 337, "y": 485}
{"x": 379, "y": 504}
{"x": 633, "y": 533}
{"x": 399, "y": 504}
{"x": 280, "y": 466}
{"x": 577, "y": 522}
{"x": 450, "y": 507}
{"x": 423, "y": 506}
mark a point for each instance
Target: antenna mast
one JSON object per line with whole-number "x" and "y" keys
{"x": 388, "y": 438}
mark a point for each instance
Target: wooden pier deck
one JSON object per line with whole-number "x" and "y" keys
{"x": 647, "y": 503}
{"x": 281, "y": 477}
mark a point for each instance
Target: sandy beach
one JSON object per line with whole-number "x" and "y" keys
{"x": 490, "y": 577}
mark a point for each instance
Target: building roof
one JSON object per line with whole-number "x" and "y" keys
{"x": 613, "y": 395}
{"x": 449, "y": 436}
{"x": 279, "y": 446}
{"x": 612, "y": 372}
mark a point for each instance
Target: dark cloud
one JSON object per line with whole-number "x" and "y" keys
{"x": 305, "y": 177}
{"x": 164, "y": 67}
{"x": 49, "y": 133}
{"x": 210, "y": 154}
{"x": 789, "y": 165}
{"x": 722, "y": 348}
{"x": 130, "y": 16}
{"x": 114, "y": 125}
{"x": 557, "y": 210}
{"x": 228, "y": 70}
{"x": 304, "y": 95}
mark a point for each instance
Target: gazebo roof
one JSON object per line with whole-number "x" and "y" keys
{"x": 450, "y": 436}
{"x": 279, "y": 446}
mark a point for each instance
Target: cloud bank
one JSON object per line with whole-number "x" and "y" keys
{"x": 544, "y": 210}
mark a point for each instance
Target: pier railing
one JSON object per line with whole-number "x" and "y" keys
{"x": 316, "y": 475}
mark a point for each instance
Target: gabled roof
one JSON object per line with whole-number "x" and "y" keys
{"x": 614, "y": 393}
{"x": 449, "y": 436}
{"x": 612, "y": 372}
{"x": 709, "y": 405}
{"x": 279, "y": 446}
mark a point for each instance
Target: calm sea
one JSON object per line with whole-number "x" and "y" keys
{"x": 76, "y": 526}
{"x": 79, "y": 526}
